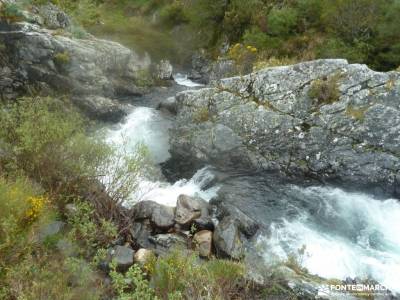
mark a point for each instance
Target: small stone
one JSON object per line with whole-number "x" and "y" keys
{"x": 142, "y": 256}
{"x": 123, "y": 256}
{"x": 203, "y": 241}
{"x": 71, "y": 209}
{"x": 51, "y": 229}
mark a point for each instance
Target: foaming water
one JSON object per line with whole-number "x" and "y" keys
{"x": 349, "y": 235}
{"x": 182, "y": 79}
{"x": 149, "y": 127}
{"x": 167, "y": 194}
{"x": 144, "y": 126}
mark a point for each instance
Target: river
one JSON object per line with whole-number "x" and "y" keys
{"x": 343, "y": 234}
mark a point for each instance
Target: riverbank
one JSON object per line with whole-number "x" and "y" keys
{"x": 267, "y": 183}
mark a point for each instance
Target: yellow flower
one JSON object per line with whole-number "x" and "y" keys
{"x": 37, "y": 205}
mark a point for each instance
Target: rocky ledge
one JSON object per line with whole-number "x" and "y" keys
{"x": 43, "y": 51}
{"x": 325, "y": 119}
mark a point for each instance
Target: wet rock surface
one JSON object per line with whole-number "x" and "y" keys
{"x": 271, "y": 121}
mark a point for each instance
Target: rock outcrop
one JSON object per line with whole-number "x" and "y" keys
{"x": 190, "y": 225}
{"x": 43, "y": 52}
{"x": 324, "y": 119}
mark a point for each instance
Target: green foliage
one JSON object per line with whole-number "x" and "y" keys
{"x": 135, "y": 31}
{"x": 52, "y": 277}
{"x": 48, "y": 142}
{"x": 202, "y": 115}
{"x": 239, "y": 15}
{"x": 28, "y": 270}
{"x": 62, "y": 58}
{"x": 91, "y": 232}
{"x": 357, "y": 113}
{"x": 132, "y": 285}
{"x": 357, "y": 52}
{"x": 243, "y": 56}
{"x": 77, "y": 32}
{"x": 272, "y": 62}
{"x": 19, "y": 211}
{"x": 325, "y": 90}
{"x": 173, "y": 14}
{"x": 145, "y": 78}
{"x": 255, "y": 37}
{"x": 282, "y": 21}
{"x": 182, "y": 275}
{"x": 11, "y": 12}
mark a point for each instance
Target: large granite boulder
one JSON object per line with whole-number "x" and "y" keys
{"x": 227, "y": 239}
{"x": 325, "y": 119}
{"x": 37, "y": 52}
{"x": 160, "y": 216}
{"x": 188, "y": 209}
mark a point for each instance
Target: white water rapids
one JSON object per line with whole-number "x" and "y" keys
{"x": 345, "y": 235}
{"x": 149, "y": 127}
{"x": 348, "y": 235}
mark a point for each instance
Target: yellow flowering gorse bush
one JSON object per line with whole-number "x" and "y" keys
{"x": 36, "y": 207}
{"x": 243, "y": 56}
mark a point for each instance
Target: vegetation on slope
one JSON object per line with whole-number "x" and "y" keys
{"x": 47, "y": 163}
{"x": 362, "y": 31}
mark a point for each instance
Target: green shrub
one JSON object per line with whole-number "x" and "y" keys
{"x": 11, "y": 12}
{"x": 240, "y": 15}
{"x": 356, "y": 113}
{"x": 78, "y": 32}
{"x": 334, "y": 47}
{"x": 255, "y": 37}
{"x": 52, "y": 277}
{"x": 183, "y": 276}
{"x": 326, "y": 90}
{"x": 49, "y": 143}
{"x": 273, "y": 62}
{"x": 132, "y": 285}
{"x": 173, "y": 14}
{"x": 90, "y": 231}
{"x": 282, "y": 21}
{"x": 62, "y": 58}
{"x": 202, "y": 115}
{"x": 243, "y": 56}
{"x": 20, "y": 208}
